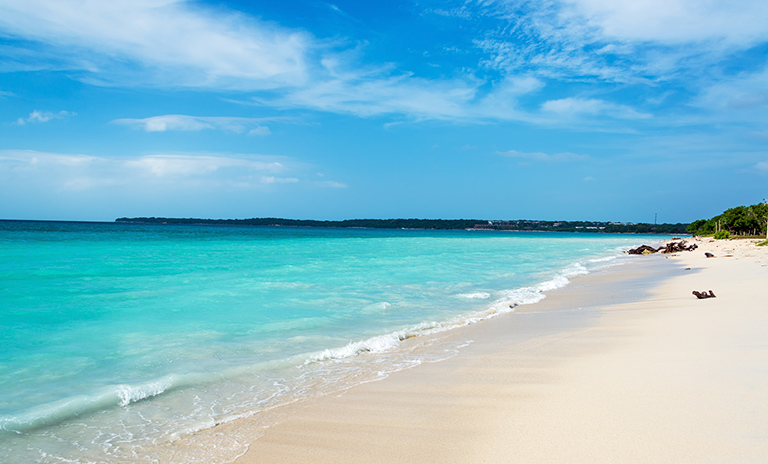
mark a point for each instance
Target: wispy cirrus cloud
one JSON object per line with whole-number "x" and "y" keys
{"x": 746, "y": 91}
{"x": 185, "y": 165}
{"x": 68, "y": 171}
{"x": 183, "y": 171}
{"x": 163, "y": 184}
{"x": 738, "y": 23}
{"x": 173, "y": 42}
{"x": 37, "y": 116}
{"x": 370, "y": 94}
{"x": 180, "y": 122}
{"x": 573, "y": 106}
{"x": 521, "y": 45}
{"x": 629, "y": 42}
{"x": 544, "y": 157}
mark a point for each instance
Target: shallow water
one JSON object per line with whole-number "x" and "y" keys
{"x": 119, "y": 337}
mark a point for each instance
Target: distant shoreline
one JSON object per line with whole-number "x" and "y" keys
{"x": 431, "y": 224}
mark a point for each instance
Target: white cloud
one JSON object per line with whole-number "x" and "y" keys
{"x": 180, "y": 122}
{"x": 420, "y": 99}
{"x": 619, "y": 41}
{"x": 590, "y": 106}
{"x": 743, "y": 92}
{"x": 279, "y": 180}
{"x": 762, "y": 167}
{"x": 65, "y": 170}
{"x": 188, "y": 175}
{"x": 544, "y": 157}
{"x": 37, "y": 116}
{"x": 67, "y": 186}
{"x": 369, "y": 94}
{"x": 331, "y": 184}
{"x": 260, "y": 131}
{"x": 177, "y": 42}
{"x": 734, "y": 22}
{"x": 196, "y": 165}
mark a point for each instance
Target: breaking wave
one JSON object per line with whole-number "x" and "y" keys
{"x": 109, "y": 397}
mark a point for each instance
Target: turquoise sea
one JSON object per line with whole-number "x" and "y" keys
{"x": 116, "y": 339}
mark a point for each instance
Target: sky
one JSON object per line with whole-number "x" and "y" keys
{"x": 605, "y": 110}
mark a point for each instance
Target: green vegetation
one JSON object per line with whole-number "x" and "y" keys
{"x": 738, "y": 221}
{"x": 722, "y": 235}
{"x": 763, "y": 243}
{"x": 440, "y": 224}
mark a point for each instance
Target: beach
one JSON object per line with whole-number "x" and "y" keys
{"x": 620, "y": 366}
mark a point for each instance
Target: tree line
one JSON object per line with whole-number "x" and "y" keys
{"x": 741, "y": 220}
{"x": 438, "y": 224}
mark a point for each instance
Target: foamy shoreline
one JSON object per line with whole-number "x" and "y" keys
{"x": 621, "y": 366}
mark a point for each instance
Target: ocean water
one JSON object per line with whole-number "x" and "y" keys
{"x": 118, "y": 341}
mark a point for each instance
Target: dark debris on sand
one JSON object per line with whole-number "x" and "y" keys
{"x": 671, "y": 247}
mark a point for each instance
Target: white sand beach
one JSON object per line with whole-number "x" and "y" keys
{"x": 652, "y": 374}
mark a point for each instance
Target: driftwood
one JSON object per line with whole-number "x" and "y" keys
{"x": 642, "y": 250}
{"x": 671, "y": 247}
{"x": 674, "y": 247}
{"x": 703, "y": 295}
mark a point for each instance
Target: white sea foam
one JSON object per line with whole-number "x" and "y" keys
{"x": 475, "y": 296}
{"x": 376, "y": 307}
{"x": 523, "y": 296}
{"x": 130, "y": 394}
{"x": 59, "y": 411}
{"x": 378, "y": 344}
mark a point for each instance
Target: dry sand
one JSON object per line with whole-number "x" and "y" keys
{"x": 625, "y": 366}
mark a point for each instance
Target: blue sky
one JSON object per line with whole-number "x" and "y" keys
{"x": 493, "y": 109}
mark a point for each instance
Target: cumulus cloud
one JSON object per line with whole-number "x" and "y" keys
{"x": 544, "y": 157}
{"x": 37, "y": 116}
{"x": 180, "y": 122}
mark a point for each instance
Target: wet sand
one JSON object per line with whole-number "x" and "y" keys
{"x": 620, "y": 366}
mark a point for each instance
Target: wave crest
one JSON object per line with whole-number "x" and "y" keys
{"x": 61, "y": 411}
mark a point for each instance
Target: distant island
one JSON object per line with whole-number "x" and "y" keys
{"x": 436, "y": 224}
